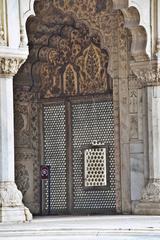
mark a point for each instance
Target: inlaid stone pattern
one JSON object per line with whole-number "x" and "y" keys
{"x": 55, "y": 156}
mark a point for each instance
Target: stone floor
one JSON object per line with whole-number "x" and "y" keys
{"x": 85, "y": 228}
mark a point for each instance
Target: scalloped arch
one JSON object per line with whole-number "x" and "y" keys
{"x": 138, "y": 33}
{"x": 131, "y": 18}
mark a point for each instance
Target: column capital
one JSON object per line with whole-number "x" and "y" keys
{"x": 11, "y": 60}
{"x": 10, "y": 65}
{"x": 147, "y": 73}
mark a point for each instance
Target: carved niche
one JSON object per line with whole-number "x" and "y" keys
{"x": 10, "y": 65}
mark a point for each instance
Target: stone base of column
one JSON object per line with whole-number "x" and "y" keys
{"x": 143, "y": 208}
{"x": 150, "y": 202}
{"x": 11, "y": 206}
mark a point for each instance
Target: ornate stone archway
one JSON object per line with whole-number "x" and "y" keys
{"x": 125, "y": 40}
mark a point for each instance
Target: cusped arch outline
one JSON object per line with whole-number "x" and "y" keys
{"x": 131, "y": 19}
{"x": 132, "y": 23}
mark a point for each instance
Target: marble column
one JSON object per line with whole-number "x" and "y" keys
{"x": 2, "y": 23}
{"x": 158, "y": 31}
{"x": 11, "y": 206}
{"x": 150, "y": 201}
{"x": 23, "y": 43}
{"x": 155, "y": 23}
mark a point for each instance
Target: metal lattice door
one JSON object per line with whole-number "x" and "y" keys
{"x": 78, "y": 139}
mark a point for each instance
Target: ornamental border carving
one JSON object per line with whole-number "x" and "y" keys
{"x": 146, "y": 74}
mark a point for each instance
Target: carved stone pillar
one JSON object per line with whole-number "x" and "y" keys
{"x": 11, "y": 206}
{"x": 155, "y": 23}
{"x": 2, "y": 23}
{"x": 158, "y": 31}
{"x": 150, "y": 201}
{"x": 23, "y": 43}
{"x": 148, "y": 78}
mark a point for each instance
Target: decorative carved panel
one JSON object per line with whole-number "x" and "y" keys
{"x": 73, "y": 63}
{"x": 22, "y": 178}
{"x": 95, "y": 167}
{"x": 22, "y": 124}
{"x": 70, "y": 81}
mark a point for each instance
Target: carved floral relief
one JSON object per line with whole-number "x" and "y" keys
{"x": 22, "y": 124}
{"x": 22, "y": 178}
{"x": 72, "y": 64}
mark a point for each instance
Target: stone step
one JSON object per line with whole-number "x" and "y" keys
{"x": 85, "y": 228}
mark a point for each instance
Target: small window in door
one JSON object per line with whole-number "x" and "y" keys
{"x": 95, "y": 166}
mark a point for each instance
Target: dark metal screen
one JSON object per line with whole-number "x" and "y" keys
{"x": 93, "y": 121}
{"x": 68, "y": 130}
{"x": 55, "y": 155}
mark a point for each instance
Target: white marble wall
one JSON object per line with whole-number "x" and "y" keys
{"x": 13, "y": 23}
{"x": 137, "y": 106}
{"x": 150, "y": 196}
{"x": 13, "y": 16}
{"x": 154, "y": 131}
{"x": 27, "y": 8}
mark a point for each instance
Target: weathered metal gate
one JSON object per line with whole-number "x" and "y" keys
{"x": 78, "y": 145}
